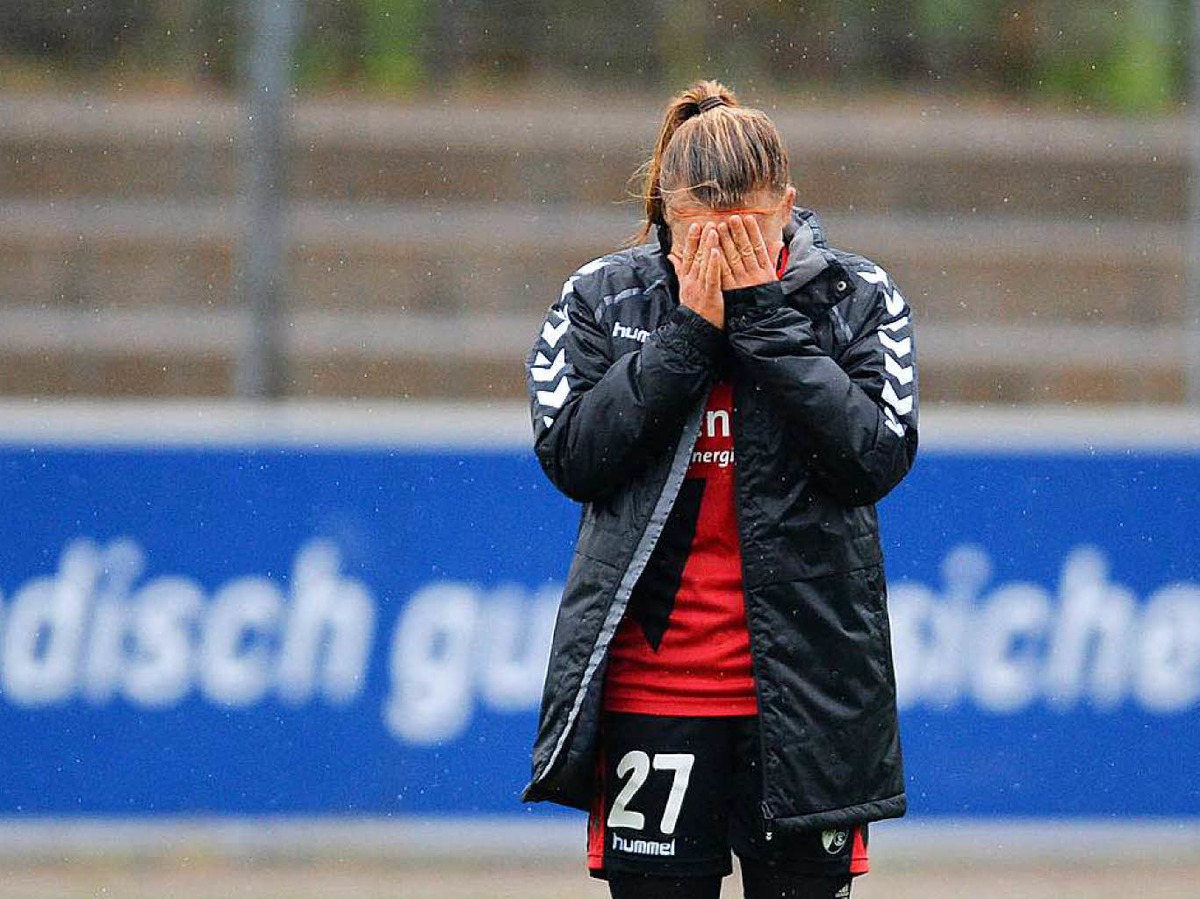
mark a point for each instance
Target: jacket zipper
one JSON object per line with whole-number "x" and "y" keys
{"x": 692, "y": 427}
{"x": 755, "y": 666}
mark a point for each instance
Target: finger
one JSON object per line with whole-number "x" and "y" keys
{"x": 728, "y": 279}
{"x": 712, "y": 240}
{"x": 712, "y": 273}
{"x": 759, "y": 245}
{"x": 701, "y": 264}
{"x": 741, "y": 238}
{"x": 732, "y": 256}
{"x": 695, "y": 271}
{"x": 691, "y": 243}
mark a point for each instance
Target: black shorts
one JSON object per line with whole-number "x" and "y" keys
{"x": 678, "y": 794}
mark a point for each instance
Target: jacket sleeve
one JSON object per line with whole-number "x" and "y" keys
{"x": 595, "y": 418}
{"x": 860, "y": 409}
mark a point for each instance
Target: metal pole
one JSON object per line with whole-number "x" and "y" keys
{"x": 262, "y": 195}
{"x": 1191, "y": 343}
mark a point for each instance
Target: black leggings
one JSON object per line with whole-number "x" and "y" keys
{"x": 759, "y": 882}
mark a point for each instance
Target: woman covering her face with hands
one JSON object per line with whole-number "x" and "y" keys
{"x": 724, "y": 253}
{"x": 728, "y": 400}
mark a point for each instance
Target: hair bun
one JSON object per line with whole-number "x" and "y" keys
{"x": 711, "y": 102}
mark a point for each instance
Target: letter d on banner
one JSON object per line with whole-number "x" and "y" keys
{"x": 431, "y": 665}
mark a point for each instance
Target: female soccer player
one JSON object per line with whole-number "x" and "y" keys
{"x": 728, "y": 401}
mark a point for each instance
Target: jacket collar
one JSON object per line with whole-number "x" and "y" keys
{"x": 807, "y": 250}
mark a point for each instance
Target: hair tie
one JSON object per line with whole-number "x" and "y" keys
{"x": 711, "y": 103}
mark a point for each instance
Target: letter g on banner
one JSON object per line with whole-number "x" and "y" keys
{"x": 432, "y": 688}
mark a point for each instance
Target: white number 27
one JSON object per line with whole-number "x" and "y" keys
{"x": 637, "y": 765}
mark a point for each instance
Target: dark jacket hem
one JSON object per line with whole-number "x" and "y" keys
{"x": 536, "y": 792}
{"x": 841, "y": 818}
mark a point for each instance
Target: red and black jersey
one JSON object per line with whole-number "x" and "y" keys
{"x": 683, "y": 647}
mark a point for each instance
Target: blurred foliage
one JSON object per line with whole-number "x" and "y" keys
{"x": 1128, "y": 55}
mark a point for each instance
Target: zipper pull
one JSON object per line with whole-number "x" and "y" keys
{"x": 769, "y": 821}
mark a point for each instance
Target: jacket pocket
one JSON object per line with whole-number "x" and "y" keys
{"x": 601, "y": 542}
{"x": 827, "y": 692}
{"x": 590, "y": 586}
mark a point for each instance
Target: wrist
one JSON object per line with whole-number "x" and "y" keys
{"x": 697, "y": 332}
{"x": 761, "y": 296}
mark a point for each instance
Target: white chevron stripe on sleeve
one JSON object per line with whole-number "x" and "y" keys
{"x": 903, "y": 374}
{"x": 556, "y": 397}
{"x": 901, "y": 348}
{"x": 897, "y": 325}
{"x": 878, "y": 276}
{"x": 892, "y": 424}
{"x": 552, "y": 334}
{"x": 894, "y": 302}
{"x": 903, "y": 406}
{"x": 548, "y": 370}
{"x": 547, "y": 420}
{"x": 594, "y": 266}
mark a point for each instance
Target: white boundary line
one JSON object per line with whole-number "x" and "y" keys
{"x": 997, "y": 841}
{"x": 301, "y": 425}
{"x": 505, "y": 426}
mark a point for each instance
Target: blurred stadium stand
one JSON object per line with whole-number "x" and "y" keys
{"x": 1043, "y": 255}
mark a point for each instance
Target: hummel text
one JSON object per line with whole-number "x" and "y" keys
{"x": 643, "y": 847}
{"x": 638, "y": 334}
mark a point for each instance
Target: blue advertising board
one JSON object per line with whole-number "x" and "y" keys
{"x": 363, "y": 630}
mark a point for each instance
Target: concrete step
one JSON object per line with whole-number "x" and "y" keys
{"x": 312, "y": 334}
{"x": 900, "y": 159}
{"x": 164, "y": 352}
{"x": 513, "y": 258}
{"x": 1043, "y": 255}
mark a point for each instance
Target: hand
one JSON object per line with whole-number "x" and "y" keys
{"x": 746, "y": 260}
{"x": 698, "y": 269}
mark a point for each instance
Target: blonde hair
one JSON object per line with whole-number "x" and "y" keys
{"x": 712, "y": 150}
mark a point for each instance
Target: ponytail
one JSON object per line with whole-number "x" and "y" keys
{"x": 712, "y": 148}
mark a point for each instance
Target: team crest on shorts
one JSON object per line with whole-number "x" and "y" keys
{"x": 834, "y": 841}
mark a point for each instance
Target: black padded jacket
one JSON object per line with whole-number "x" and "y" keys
{"x": 824, "y": 425}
